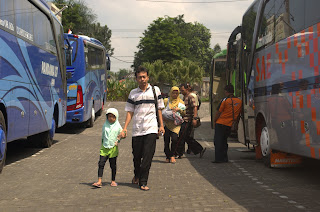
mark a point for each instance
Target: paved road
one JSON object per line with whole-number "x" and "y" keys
{"x": 59, "y": 178}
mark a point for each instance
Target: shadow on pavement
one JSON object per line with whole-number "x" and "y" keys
{"x": 230, "y": 180}
{"x": 21, "y": 149}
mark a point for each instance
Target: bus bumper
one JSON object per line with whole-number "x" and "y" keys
{"x": 75, "y": 116}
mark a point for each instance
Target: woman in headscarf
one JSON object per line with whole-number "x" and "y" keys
{"x": 172, "y": 130}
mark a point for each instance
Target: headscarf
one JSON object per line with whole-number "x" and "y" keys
{"x": 111, "y": 131}
{"x": 174, "y": 102}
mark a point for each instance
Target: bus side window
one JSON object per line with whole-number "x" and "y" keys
{"x": 7, "y": 15}
{"x": 24, "y": 23}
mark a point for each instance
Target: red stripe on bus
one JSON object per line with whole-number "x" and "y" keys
{"x": 318, "y": 127}
{"x": 313, "y": 152}
{"x": 283, "y": 68}
{"x": 312, "y": 60}
{"x": 286, "y": 56}
{"x": 293, "y": 76}
{"x": 313, "y": 114}
{"x": 299, "y": 50}
{"x": 300, "y": 74}
{"x": 303, "y": 36}
{"x": 316, "y": 71}
{"x": 307, "y": 48}
{"x": 318, "y": 29}
{"x": 280, "y": 57}
{"x": 303, "y": 131}
{"x": 295, "y": 40}
{"x": 289, "y": 42}
{"x": 309, "y": 100}
{"x": 311, "y": 33}
{"x": 313, "y": 91}
{"x": 315, "y": 45}
{"x": 290, "y": 93}
{"x": 307, "y": 139}
{"x": 277, "y": 48}
{"x": 297, "y": 93}
{"x": 301, "y": 101}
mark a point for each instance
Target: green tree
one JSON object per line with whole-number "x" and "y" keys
{"x": 170, "y": 39}
{"x": 80, "y": 19}
{"x": 122, "y": 73}
{"x": 175, "y": 72}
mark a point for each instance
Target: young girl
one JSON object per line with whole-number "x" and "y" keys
{"x": 109, "y": 147}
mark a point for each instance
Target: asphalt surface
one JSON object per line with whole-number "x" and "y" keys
{"x": 59, "y": 178}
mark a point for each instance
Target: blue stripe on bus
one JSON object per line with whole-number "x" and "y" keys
{"x": 289, "y": 86}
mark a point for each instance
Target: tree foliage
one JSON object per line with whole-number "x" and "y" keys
{"x": 80, "y": 19}
{"x": 170, "y": 39}
{"x": 175, "y": 72}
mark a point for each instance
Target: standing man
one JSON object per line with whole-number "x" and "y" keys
{"x": 223, "y": 121}
{"x": 141, "y": 108}
{"x": 190, "y": 120}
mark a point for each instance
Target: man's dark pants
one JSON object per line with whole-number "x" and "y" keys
{"x": 143, "y": 149}
{"x": 221, "y": 135}
{"x": 184, "y": 136}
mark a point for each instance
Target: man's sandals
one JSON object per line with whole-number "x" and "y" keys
{"x": 144, "y": 188}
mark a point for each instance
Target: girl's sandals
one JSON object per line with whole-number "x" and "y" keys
{"x": 97, "y": 185}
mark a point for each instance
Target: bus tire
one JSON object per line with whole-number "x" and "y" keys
{"x": 92, "y": 118}
{"x": 44, "y": 139}
{"x": 264, "y": 144}
{"x": 3, "y": 141}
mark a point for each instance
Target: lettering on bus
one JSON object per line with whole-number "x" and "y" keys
{"x": 7, "y": 24}
{"x": 263, "y": 68}
{"x": 24, "y": 33}
{"x": 48, "y": 69}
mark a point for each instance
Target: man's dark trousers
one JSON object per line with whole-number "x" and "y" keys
{"x": 221, "y": 135}
{"x": 143, "y": 149}
{"x": 185, "y": 132}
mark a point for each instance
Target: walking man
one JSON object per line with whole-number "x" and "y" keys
{"x": 141, "y": 108}
{"x": 228, "y": 111}
{"x": 190, "y": 120}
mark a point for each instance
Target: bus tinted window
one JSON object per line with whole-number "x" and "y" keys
{"x": 248, "y": 26}
{"x": 312, "y": 12}
{"x": 95, "y": 58}
{"x": 266, "y": 32}
{"x": 23, "y": 15}
{"x": 6, "y": 15}
{"x": 289, "y": 18}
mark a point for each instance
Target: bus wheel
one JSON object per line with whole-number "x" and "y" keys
{"x": 265, "y": 145}
{"x": 93, "y": 116}
{"x": 3, "y": 141}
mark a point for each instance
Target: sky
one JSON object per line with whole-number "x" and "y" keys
{"x": 129, "y": 18}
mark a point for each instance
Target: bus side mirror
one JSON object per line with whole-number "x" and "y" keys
{"x": 69, "y": 56}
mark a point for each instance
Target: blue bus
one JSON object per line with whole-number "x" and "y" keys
{"x": 33, "y": 88}
{"x": 86, "y": 80}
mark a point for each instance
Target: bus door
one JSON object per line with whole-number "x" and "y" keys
{"x": 217, "y": 83}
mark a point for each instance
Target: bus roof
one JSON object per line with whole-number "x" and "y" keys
{"x": 223, "y": 53}
{"x": 84, "y": 37}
